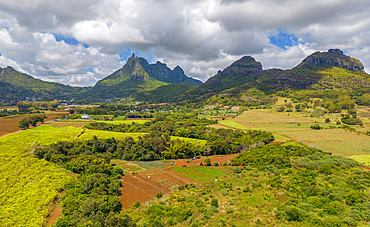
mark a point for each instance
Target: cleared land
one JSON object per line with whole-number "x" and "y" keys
{"x": 297, "y": 128}
{"x": 146, "y": 183}
{"x": 10, "y": 124}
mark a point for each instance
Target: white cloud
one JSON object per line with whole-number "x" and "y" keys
{"x": 200, "y": 36}
{"x": 101, "y": 33}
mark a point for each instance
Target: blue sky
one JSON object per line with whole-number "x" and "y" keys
{"x": 283, "y": 39}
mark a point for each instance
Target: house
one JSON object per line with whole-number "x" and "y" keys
{"x": 85, "y": 117}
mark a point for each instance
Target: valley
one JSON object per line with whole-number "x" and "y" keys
{"x": 249, "y": 147}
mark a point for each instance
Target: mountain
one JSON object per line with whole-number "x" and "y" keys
{"x": 138, "y": 75}
{"x": 166, "y": 93}
{"x": 319, "y": 71}
{"x": 18, "y": 86}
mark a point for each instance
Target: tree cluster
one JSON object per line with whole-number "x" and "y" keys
{"x": 25, "y": 122}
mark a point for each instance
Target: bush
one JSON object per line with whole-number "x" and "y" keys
{"x": 315, "y": 126}
{"x": 207, "y": 162}
{"x": 159, "y": 195}
{"x": 136, "y": 204}
{"x": 293, "y": 214}
{"x": 325, "y": 169}
{"x": 214, "y": 203}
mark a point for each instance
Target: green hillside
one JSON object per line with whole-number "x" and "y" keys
{"x": 138, "y": 75}
{"x": 16, "y": 85}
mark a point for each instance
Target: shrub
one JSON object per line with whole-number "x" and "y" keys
{"x": 229, "y": 210}
{"x": 207, "y": 161}
{"x": 159, "y": 195}
{"x": 136, "y": 204}
{"x": 315, "y": 126}
{"x": 293, "y": 214}
{"x": 214, "y": 202}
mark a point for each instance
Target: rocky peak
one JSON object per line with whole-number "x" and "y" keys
{"x": 247, "y": 63}
{"x": 5, "y": 71}
{"x": 334, "y": 57}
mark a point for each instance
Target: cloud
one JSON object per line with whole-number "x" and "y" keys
{"x": 199, "y": 36}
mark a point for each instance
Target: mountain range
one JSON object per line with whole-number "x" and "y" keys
{"x": 157, "y": 83}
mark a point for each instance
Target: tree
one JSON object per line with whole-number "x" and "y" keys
{"x": 327, "y": 120}
{"x": 207, "y": 161}
{"x": 214, "y": 202}
{"x": 24, "y": 123}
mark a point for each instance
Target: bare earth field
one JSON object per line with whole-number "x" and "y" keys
{"x": 10, "y": 124}
{"x": 145, "y": 184}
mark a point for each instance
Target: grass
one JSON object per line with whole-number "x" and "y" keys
{"x": 296, "y": 127}
{"x": 28, "y": 187}
{"x": 233, "y": 124}
{"x": 127, "y": 122}
{"x": 199, "y": 173}
{"x": 18, "y": 143}
{"x": 128, "y": 167}
{"x": 153, "y": 164}
{"x": 363, "y": 159}
{"x": 89, "y": 133}
{"x": 191, "y": 140}
{"x": 247, "y": 207}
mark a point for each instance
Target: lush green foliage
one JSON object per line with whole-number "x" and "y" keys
{"x": 28, "y": 187}
{"x": 305, "y": 187}
{"x": 219, "y": 141}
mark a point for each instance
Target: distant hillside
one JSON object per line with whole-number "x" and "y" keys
{"x": 319, "y": 71}
{"x": 166, "y": 93}
{"x": 138, "y": 75}
{"x": 17, "y": 86}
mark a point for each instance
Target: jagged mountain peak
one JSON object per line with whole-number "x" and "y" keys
{"x": 333, "y": 57}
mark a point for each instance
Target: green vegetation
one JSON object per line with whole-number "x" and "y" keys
{"x": 199, "y": 173}
{"x": 324, "y": 191}
{"x": 28, "y": 187}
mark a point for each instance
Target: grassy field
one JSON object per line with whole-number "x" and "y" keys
{"x": 153, "y": 164}
{"x": 200, "y": 173}
{"x": 127, "y": 122}
{"x": 28, "y": 187}
{"x": 297, "y": 128}
{"x": 191, "y": 140}
{"x": 17, "y": 143}
{"x": 364, "y": 159}
{"x": 128, "y": 167}
{"x": 9, "y": 108}
{"x": 233, "y": 124}
{"x": 89, "y": 133}
{"x": 235, "y": 207}
{"x": 76, "y": 124}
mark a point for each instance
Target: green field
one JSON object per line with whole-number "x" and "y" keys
{"x": 17, "y": 143}
{"x": 200, "y": 173}
{"x": 287, "y": 128}
{"x": 89, "y": 133}
{"x": 28, "y": 187}
{"x": 127, "y": 122}
{"x": 153, "y": 164}
{"x": 363, "y": 159}
{"x": 128, "y": 167}
{"x": 233, "y": 124}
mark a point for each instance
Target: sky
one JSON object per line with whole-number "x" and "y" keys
{"x": 80, "y": 42}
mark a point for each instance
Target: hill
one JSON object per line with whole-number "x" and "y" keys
{"x": 138, "y": 75}
{"x": 331, "y": 70}
{"x": 18, "y": 86}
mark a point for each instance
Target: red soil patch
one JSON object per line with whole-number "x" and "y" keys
{"x": 145, "y": 185}
{"x": 10, "y": 124}
{"x": 54, "y": 215}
